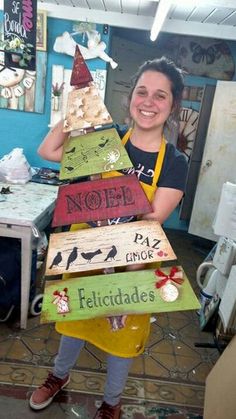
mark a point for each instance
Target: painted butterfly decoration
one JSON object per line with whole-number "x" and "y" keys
{"x": 205, "y": 58}
{"x": 207, "y": 55}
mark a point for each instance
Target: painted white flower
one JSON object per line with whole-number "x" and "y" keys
{"x": 16, "y": 43}
{"x": 113, "y": 156}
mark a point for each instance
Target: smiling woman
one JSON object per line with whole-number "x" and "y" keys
{"x": 161, "y": 171}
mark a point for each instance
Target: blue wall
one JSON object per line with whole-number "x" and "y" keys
{"x": 27, "y": 129}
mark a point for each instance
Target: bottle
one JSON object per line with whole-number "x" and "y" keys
{"x": 208, "y": 291}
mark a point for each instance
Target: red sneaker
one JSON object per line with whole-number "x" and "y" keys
{"x": 106, "y": 411}
{"x": 45, "y": 394}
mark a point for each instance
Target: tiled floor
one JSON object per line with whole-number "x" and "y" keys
{"x": 171, "y": 372}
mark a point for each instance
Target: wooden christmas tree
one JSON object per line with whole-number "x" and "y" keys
{"x": 105, "y": 247}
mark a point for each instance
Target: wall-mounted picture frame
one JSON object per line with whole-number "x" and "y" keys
{"x": 41, "y": 34}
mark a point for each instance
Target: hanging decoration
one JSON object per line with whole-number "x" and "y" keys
{"x": 65, "y": 44}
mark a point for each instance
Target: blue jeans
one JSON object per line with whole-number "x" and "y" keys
{"x": 117, "y": 368}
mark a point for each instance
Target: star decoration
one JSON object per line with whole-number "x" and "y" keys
{"x": 80, "y": 113}
{"x": 79, "y": 102}
{"x": 105, "y": 115}
{"x": 86, "y": 89}
{"x": 95, "y": 92}
{"x": 71, "y": 110}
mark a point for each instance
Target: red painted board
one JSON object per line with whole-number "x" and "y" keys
{"x": 100, "y": 199}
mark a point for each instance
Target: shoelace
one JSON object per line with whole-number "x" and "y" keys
{"x": 51, "y": 381}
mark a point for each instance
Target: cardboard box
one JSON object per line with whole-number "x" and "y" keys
{"x": 220, "y": 400}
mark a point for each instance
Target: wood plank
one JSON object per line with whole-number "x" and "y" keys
{"x": 41, "y": 64}
{"x": 100, "y": 199}
{"x": 113, "y": 295}
{"x": 109, "y": 246}
{"x": 85, "y": 109}
{"x": 96, "y": 152}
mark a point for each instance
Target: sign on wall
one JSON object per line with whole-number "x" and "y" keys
{"x": 20, "y": 23}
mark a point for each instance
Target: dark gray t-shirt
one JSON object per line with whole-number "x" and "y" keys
{"x": 173, "y": 173}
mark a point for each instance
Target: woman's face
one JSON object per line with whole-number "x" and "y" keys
{"x": 152, "y": 100}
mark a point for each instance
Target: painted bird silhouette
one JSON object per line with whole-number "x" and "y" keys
{"x": 72, "y": 150}
{"x": 57, "y": 259}
{"x": 111, "y": 254}
{"x": 90, "y": 255}
{"x": 72, "y": 256}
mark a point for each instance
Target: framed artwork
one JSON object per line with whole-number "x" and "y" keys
{"x": 41, "y": 34}
{"x": 204, "y": 57}
{"x": 23, "y": 90}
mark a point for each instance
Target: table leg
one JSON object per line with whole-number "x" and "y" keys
{"x": 26, "y": 262}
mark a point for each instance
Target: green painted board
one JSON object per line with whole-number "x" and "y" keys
{"x": 112, "y": 295}
{"x": 96, "y": 152}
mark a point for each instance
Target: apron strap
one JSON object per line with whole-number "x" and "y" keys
{"x": 159, "y": 162}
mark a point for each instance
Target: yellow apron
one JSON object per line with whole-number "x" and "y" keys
{"x": 129, "y": 341}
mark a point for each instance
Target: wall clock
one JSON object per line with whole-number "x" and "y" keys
{"x": 187, "y": 130}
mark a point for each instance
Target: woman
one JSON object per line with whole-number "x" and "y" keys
{"x": 155, "y": 95}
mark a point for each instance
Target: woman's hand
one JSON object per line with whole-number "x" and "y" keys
{"x": 164, "y": 202}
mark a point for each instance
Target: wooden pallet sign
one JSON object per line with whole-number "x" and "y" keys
{"x": 85, "y": 109}
{"x": 96, "y": 152}
{"x": 99, "y": 200}
{"x": 114, "y": 295}
{"x": 109, "y": 246}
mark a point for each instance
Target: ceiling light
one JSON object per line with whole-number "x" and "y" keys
{"x": 161, "y": 13}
